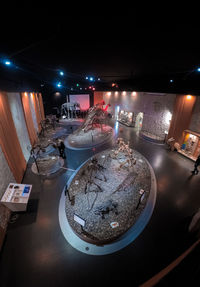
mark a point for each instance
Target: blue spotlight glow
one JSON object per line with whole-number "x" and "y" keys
{"x": 61, "y": 73}
{"x": 7, "y": 62}
{"x": 198, "y": 69}
{"x": 91, "y": 79}
{"x": 59, "y": 85}
{"x": 86, "y": 78}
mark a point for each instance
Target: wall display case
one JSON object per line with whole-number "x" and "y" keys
{"x": 16, "y": 196}
{"x": 191, "y": 145}
{"x": 126, "y": 118}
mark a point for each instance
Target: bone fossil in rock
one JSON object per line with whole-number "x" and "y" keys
{"x": 106, "y": 208}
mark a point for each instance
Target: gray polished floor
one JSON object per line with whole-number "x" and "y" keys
{"x": 35, "y": 252}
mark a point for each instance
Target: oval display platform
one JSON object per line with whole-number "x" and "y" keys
{"x": 48, "y": 165}
{"x": 151, "y": 138}
{"x": 105, "y": 211}
{"x": 91, "y": 138}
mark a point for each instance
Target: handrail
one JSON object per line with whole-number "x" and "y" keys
{"x": 156, "y": 278}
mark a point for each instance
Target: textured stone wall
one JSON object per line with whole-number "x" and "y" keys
{"x": 157, "y": 113}
{"x": 155, "y": 107}
{"x": 19, "y": 121}
{"x": 195, "y": 120}
{"x": 6, "y": 175}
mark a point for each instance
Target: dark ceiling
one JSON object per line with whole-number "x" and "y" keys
{"x": 129, "y": 46}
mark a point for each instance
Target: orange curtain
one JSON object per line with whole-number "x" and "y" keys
{"x": 37, "y": 109}
{"x": 9, "y": 141}
{"x": 41, "y": 106}
{"x": 28, "y": 117}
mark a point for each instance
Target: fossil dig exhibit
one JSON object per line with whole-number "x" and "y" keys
{"x": 108, "y": 194}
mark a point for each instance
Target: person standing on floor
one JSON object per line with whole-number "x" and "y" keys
{"x": 196, "y": 164}
{"x": 61, "y": 148}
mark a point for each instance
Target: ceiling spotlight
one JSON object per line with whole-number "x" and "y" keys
{"x": 61, "y": 73}
{"x": 59, "y": 85}
{"x": 7, "y": 62}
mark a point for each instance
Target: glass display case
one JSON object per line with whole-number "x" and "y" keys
{"x": 126, "y": 118}
{"x": 191, "y": 144}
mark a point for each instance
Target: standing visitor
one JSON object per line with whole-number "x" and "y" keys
{"x": 196, "y": 164}
{"x": 61, "y": 147}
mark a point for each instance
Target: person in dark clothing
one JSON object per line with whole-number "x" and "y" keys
{"x": 61, "y": 148}
{"x": 197, "y": 163}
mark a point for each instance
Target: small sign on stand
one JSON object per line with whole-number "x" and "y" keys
{"x": 16, "y": 196}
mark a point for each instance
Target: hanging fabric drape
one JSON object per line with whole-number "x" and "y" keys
{"x": 9, "y": 140}
{"x": 28, "y": 117}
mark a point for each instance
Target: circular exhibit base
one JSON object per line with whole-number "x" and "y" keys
{"x": 89, "y": 139}
{"x": 49, "y": 149}
{"x": 151, "y": 138}
{"x": 95, "y": 233}
{"x": 47, "y": 165}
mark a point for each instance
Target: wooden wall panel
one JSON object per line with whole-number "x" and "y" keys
{"x": 9, "y": 140}
{"x": 181, "y": 117}
{"x": 98, "y": 97}
{"x": 28, "y": 117}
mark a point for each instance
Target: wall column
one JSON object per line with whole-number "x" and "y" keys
{"x": 181, "y": 117}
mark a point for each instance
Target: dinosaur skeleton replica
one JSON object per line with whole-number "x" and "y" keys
{"x": 70, "y": 108}
{"x": 97, "y": 116}
{"x": 130, "y": 160}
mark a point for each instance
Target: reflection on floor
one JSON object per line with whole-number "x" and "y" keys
{"x": 36, "y": 253}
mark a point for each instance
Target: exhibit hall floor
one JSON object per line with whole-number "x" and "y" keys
{"x": 35, "y": 252}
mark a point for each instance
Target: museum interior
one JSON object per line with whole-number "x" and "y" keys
{"x": 99, "y": 189}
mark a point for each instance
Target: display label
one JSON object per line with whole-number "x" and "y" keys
{"x": 80, "y": 220}
{"x": 114, "y": 224}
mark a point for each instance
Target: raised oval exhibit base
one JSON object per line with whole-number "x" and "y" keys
{"x": 47, "y": 165}
{"x": 108, "y": 202}
{"x": 90, "y": 138}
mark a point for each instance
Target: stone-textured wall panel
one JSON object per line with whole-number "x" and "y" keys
{"x": 6, "y": 175}
{"x": 155, "y": 107}
{"x": 19, "y": 121}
